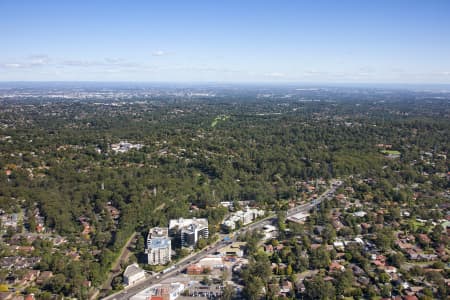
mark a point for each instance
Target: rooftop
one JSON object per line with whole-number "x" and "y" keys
{"x": 181, "y": 223}
{"x": 156, "y": 232}
{"x": 158, "y": 242}
{"x": 132, "y": 270}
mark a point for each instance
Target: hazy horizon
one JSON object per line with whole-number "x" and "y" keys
{"x": 386, "y": 85}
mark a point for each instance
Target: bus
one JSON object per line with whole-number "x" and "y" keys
{"x": 168, "y": 269}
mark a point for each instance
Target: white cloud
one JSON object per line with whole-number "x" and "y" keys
{"x": 159, "y": 53}
{"x": 39, "y": 64}
{"x": 314, "y": 73}
{"x": 11, "y": 65}
{"x": 275, "y": 75}
{"x": 106, "y": 62}
{"x": 27, "y": 62}
{"x": 38, "y": 60}
{"x": 79, "y": 63}
{"x": 199, "y": 68}
{"x": 114, "y": 60}
{"x": 367, "y": 70}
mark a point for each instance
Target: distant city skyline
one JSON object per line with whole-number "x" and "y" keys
{"x": 392, "y": 42}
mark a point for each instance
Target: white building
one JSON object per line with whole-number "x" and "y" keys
{"x": 339, "y": 245}
{"x": 269, "y": 228}
{"x": 249, "y": 215}
{"x": 133, "y": 274}
{"x": 298, "y": 218}
{"x": 9, "y": 220}
{"x": 227, "y": 204}
{"x": 359, "y": 214}
{"x": 229, "y": 224}
{"x": 124, "y": 146}
{"x": 159, "y": 246}
{"x": 189, "y": 231}
{"x": 242, "y": 216}
{"x": 211, "y": 262}
{"x": 161, "y": 291}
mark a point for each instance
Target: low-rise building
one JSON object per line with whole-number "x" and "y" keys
{"x": 336, "y": 266}
{"x": 242, "y": 217}
{"x": 194, "y": 269}
{"x": 124, "y": 146}
{"x": 269, "y": 228}
{"x": 235, "y": 249}
{"x": 44, "y": 276}
{"x": 286, "y": 287}
{"x": 339, "y": 245}
{"x": 161, "y": 292}
{"x": 298, "y": 218}
{"x": 359, "y": 214}
{"x": 133, "y": 273}
{"x": 211, "y": 262}
{"x": 10, "y": 220}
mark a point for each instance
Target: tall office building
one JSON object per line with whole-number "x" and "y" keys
{"x": 159, "y": 246}
{"x": 188, "y": 231}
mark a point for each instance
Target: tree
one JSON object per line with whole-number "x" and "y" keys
{"x": 318, "y": 288}
{"x": 206, "y": 280}
{"x": 328, "y": 234}
{"x": 202, "y": 243}
{"x": 46, "y": 296}
{"x": 384, "y": 277}
{"x": 224, "y": 276}
{"x": 319, "y": 258}
{"x": 261, "y": 267}
{"x": 344, "y": 281}
{"x": 56, "y": 283}
{"x": 228, "y": 292}
{"x": 252, "y": 288}
{"x": 386, "y": 290}
{"x": 117, "y": 283}
{"x": 436, "y": 233}
{"x": 256, "y": 275}
{"x": 289, "y": 270}
{"x": 384, "y": 238}
{"x": 396, "y": 259}
{"x": 252, "y": 158}
{"x": 281, "y": 223}
{"x": 183, "y": 252}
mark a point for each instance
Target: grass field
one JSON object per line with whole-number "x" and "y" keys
{"x": 218, "y": 119}
{"x": 391, "y": 152}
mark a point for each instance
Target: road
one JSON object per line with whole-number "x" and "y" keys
{"x": 115, "y": 267}
{"x": 328, "y": 194}
{"x": 179, "y": 266}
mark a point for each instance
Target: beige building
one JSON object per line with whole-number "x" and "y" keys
{"x": 133, "y": 274}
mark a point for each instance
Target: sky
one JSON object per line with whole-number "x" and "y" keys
{"x": 376, "y": 41}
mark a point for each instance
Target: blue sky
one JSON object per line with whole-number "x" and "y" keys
{"x": 376, "y": 41}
